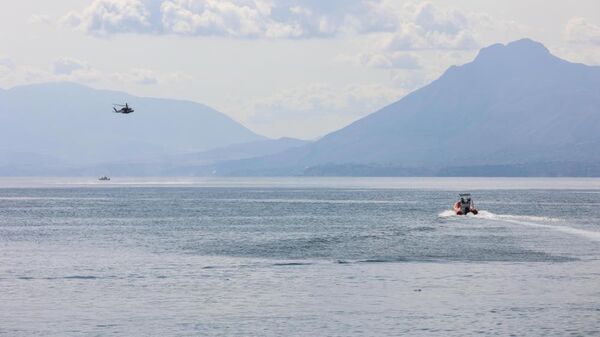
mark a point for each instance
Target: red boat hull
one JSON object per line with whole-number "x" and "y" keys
{"x": 459, "y": 211}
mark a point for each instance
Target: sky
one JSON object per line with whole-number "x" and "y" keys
{"x": 282, "y": 68}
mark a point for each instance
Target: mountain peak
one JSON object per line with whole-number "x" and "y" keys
{"x": 528, "y": 44}
{"x": 524, "y": 50}
{"x": 515, "y": 105}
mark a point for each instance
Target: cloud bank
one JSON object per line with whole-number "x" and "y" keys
{"x": 579, "y": 30}
{"x": 421, "y": 26}
{"x": 6, "y": 67}
{"x": 105, "y": 17}
{"x": 75, "y": 70}
{"x": 230, "y": 18}
{"x": 315, "y": 109}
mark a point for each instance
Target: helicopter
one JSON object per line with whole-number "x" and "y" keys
{"x": 125, "y": 109}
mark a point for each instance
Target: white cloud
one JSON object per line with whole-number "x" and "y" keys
{"x": 419, "y": 48}
{"x": 434, "y": 20}
{"x": 25, "y": 74}
{"x": 271, "y": 19}
{"x": 39, "y": 19}
{"x": 263, "y": 19}
{"x": 393, "y": 60}
{"x": 578, "y": 30}
{"x": 74, "y": 70}
{"x": 411, "y": 80}
{"x": 316, "y": 109}
{"x": 323, "y": 98}
{"x": 231, "y": 18}
{"x": 213, "y": 17}
{"x": 426, "y": 26}
{"x": 6, "y": 62}
{"x": 104, "y": 17}
{"x": 427, "y": 39}
{"x": 579, "y": 53}
{"x": 29, "y": 74}
{"x": 67, "y": 65}
{"x": 414, "y": 37}
{"x": 6, "y": 67}
{"x": 137, "y": 76}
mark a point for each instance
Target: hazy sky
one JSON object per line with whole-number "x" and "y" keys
{"x": 282, "y": 68}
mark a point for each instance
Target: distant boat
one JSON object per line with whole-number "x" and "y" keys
{"x": 465, "y": 205}
{"x": 104, "y": 178}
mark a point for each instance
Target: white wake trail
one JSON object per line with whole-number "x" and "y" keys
{"x": 509, "y": 217}
{"x": 447, "y": 214}
{"x": 531, "y": 221}
{"x": 591, "y": 235}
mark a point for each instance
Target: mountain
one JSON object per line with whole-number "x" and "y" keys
{"x": 190, "y": 164}
{"x": 74, "y": 125}
{"x": 239, "y": 151}
{"x": 515, "y": 110}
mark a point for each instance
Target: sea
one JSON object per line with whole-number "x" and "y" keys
{"x": 299, "y": 257}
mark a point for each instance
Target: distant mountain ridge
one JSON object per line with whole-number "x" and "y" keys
{"x": 515, "y": 107}
{"x": 189, "y": 164}
{"x": 515, "y": 110}
{"x": 76, "y": 126}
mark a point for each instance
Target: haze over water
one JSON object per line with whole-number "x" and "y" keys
{"x": 298, "y": 256}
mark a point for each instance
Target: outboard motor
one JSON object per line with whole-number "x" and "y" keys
{"x": 465, "y": 205}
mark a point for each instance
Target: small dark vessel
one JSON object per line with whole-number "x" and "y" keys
{"x": 465, "y": 205}
{"x": 104, "y": 178}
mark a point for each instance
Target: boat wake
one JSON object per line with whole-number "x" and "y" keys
{"x": 510, "y": 217}
{"x": 531, "y": 221}
{"x": 447, "y": 214}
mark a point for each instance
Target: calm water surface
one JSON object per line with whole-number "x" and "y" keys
{"x": 298, "y": 257}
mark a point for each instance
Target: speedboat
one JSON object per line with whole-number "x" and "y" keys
{"x": 465, "y": 205}
{"x": 104, "y": 178}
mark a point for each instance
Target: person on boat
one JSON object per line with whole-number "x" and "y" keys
{"x": 465, "y": 205}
